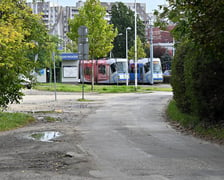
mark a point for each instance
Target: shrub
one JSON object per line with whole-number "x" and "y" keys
{"x": 178, "y": 78}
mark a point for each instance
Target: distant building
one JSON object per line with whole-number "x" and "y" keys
{"x": 163, "y": 38}
{"x": 56, "y": 17}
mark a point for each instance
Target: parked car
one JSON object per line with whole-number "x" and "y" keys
{"x": 167, "y": 73}
{"x": 26, "y": 82}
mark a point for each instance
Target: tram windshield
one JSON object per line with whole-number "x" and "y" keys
{"x": 156, "y": 67}
{"x": 121, "y": 67}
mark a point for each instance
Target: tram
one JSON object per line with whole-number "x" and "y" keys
{"x": 144, "y": 71}
{"x": 106, "y": 71}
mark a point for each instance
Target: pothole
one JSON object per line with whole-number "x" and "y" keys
{"x": 46, "y": 136}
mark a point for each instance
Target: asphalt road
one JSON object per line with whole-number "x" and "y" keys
{"x": 130, "y": 139}
{"x": 124, "y": 137}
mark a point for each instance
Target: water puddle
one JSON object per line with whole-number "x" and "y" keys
{"x": 47, "y": 136}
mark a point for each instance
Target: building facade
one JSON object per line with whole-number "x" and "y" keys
{"x": 54, "y": 16}
{"x": 164, "y": 39}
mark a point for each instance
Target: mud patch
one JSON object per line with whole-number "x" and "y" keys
{"x": 54, "y": 161}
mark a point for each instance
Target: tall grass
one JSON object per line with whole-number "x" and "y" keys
{"x": 194, "y": 125}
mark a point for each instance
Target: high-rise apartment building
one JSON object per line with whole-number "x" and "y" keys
{"x": 54, "y": 16}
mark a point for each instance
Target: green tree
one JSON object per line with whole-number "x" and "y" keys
{"x": 140, "y": 50}
{"x": 51, "y": 48}
{"x": 71, "y": 46}
{"x": 199, "y": 31}
{"x": 18, "y": 27}
{"x": 100, "y": 33}
{"x": 123, "y": 17}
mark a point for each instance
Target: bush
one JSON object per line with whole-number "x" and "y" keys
{"x": 209, "y": 88}
{"x": 178, "y": 78}
{"x": 197, "y": 82}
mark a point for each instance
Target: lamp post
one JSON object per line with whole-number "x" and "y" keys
{"x": 151, "y": 50}
{"x": 136, "y": 83}
{"x": 128, "y": 28}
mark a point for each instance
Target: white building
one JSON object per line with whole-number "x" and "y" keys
{"x": 54, "y": 16}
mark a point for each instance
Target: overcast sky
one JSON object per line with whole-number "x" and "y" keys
{"x": 150, "y": 4}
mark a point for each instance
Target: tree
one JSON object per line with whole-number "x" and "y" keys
{"x": 199, "y": 58}
{"x": 140, "y": 50}
{"x": 71, "y": 46}
{"x": 123, "y": 17}
{"x": 100, "y": 33}
{"x": 18, "y": 28}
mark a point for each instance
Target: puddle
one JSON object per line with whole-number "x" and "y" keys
{"x": 47, "y": 136}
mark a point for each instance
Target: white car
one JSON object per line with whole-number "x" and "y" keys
{"x": 167, "y": 73}
{"x": 26, "y": 82}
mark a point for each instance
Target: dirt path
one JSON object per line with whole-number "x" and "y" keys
{"x": 21, "y": 156}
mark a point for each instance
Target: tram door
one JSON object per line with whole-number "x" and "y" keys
{"x": 140, "y": 73}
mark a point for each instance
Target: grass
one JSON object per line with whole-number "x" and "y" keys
{"x": 194, "y": 126}
{"x": 51, "y": 119}
{"x": 10, "y": 121}
{"x": 98, "y": 88}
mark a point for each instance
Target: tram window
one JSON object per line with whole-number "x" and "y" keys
{"x": 87, "y": 71}
{"x": 102, "y": 69}
{"x": 147, "y": 67}
{"x": 113, "y": 67}
{"x": 120, "y": 67}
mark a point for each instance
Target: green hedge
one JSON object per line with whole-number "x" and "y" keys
{"x": 197, "y": 80}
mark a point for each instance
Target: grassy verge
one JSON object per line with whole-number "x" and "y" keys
{"x": 99, "y": 88}
{"x": 192, "y": 125}
{"x": 10, "y": 121}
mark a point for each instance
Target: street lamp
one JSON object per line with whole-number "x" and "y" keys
{"x": 128, "y": 28}
{"x": 136, "y": 83}
{"x": 151, "y": 50}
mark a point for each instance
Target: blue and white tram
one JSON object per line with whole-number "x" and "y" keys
{"x": 144, "y": 71}
{"x": 157, "y": 70}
